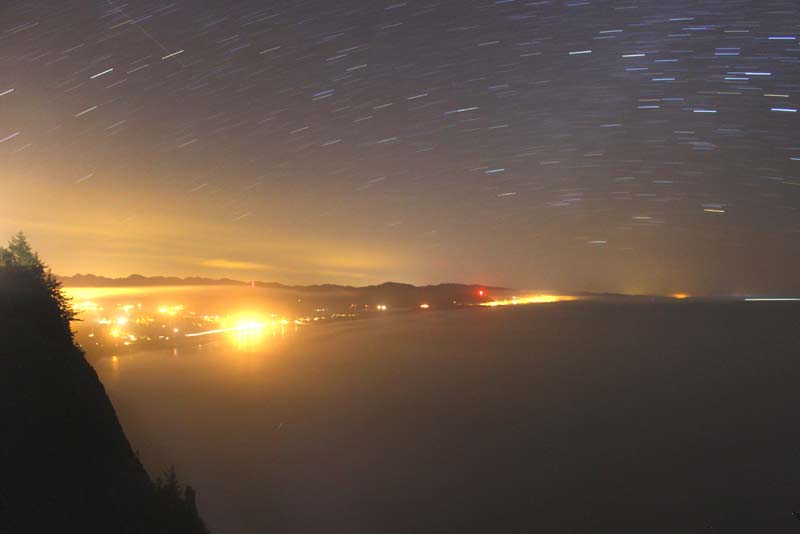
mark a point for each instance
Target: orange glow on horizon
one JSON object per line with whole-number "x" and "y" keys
{"x": 531, "y": 299}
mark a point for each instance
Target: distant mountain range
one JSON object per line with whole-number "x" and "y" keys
{"x": 393, "y": 294}
{"x": 391, "y": 291}
{"x": 137, "y": 280}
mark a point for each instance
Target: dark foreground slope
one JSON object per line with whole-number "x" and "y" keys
{"x": 65, "y": 463}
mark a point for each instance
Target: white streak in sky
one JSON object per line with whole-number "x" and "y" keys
{"x": 101, "y": 73}
{"x": 172, "y": 54}
{"x": 85, "y": 111}
{"x": 12, "y": 136}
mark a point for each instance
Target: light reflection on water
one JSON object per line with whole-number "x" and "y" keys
{"x": 236, "y": 353}
{"x": 253, "y": 337}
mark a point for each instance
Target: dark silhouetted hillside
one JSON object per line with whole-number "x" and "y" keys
{"x": 65, "y": 463}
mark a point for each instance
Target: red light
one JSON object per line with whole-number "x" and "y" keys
{"x": 480, "y": 292}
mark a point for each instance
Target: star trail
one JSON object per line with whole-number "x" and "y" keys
{"x": 634, "y": 146}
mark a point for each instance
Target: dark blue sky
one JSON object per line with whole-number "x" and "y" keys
{"x": 638, "y": 146}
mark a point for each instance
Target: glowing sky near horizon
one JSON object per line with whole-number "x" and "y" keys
{"x": 638, "y": 146}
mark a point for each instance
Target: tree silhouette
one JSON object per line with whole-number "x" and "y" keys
{"x": 21, "y": 252}
{"x": 21, "y": 262}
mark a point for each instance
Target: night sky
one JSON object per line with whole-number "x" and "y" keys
{"x": 635, "y": 146}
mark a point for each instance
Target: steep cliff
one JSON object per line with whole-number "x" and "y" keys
{"x": 65, "y": 463}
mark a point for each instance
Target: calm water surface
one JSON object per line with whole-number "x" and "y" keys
{"x": 573, "y": 417}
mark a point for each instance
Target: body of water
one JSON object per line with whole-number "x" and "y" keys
{"x": 570, "y": 417}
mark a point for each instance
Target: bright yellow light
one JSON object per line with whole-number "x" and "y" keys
{"x": 241, "y": 325}
{"x": 680, "y": 296}
{"x": 122, "y": 320}
{"x": 381, "y": 307}
{"x": 531, "y": 299}
{"x": 170, "y": 310}
{"x": 86, "y": 305}
{"x": 249, "y": 324}
{"x": 424, "y": 306}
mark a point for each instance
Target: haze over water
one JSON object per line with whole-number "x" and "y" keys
{"x": 552, "y": 417}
